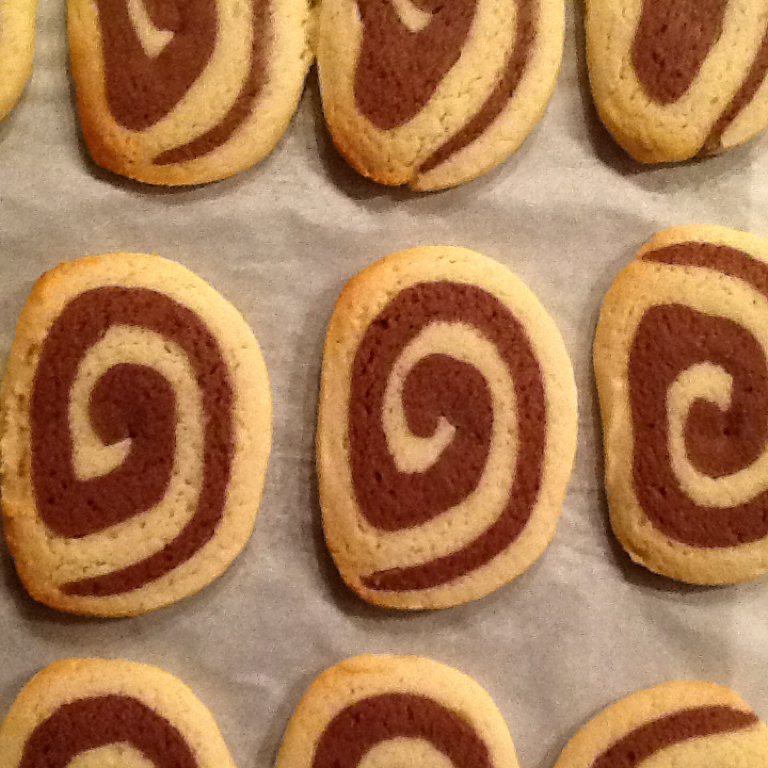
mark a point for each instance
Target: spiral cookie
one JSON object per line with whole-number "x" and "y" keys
{"x": 380, "y": 711}
{"x": 185, "y": 93}
{"x": 17, "y": 45}
{"x": 92, "y": 712}
{"x": 447, "y": 428}
{"x": 434, "y": 93}
{"x": 674, "y": 725}
{"x": 680, "y": 358}
{"x": 137, "y": 421}
{"x": 673, "y": 78}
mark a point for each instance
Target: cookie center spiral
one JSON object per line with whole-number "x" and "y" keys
{"x": 698, "y": 390}
{"x": 135, "y": 406}
{"x": 444, "y": 386}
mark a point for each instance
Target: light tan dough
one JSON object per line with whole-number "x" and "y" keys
{"x": 17, "y": 47}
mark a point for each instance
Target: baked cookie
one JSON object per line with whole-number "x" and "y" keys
{"x": 433, "y": 93}
{"x": 673, "y": 78}
{"x": 681, "y": 724}
{"x": 390, "y": 711}
{"x": 680, "y": 359}
{"x": 447, "y": 428}
{"x": 93, "y": 712}
{"x": 136, "y": 431}
{"x": 186, "y": 93}
{"x": 17, "y": 46}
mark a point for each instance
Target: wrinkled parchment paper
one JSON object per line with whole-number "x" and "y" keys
{"x": 584, "y": 626}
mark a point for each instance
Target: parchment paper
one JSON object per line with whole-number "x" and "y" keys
{"x": 584, "y": 626}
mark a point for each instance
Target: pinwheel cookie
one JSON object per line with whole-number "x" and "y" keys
{"x": 674, "y": 725}
{"x": 17, "y": 44}
{"x": 680, "y": 358}
{"x": 185, "y": 93}
{"x": 396, "y": 711}
{"x": 91, "y": 712}
{"x": 432, "y": 93}
{"x": 673, "y": 78}
{"x": 447, "y": 428}
{"x": 137, "y": 420}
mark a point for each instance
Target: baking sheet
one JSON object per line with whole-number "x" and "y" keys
{"x": 584, "y": 626}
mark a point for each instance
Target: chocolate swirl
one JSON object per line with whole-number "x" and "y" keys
{"x": 668, "y": 341}
{"x": 673, "y": 40}
{"x": 141, "y": 90}
{"x": 442, "y": 386}
{"x": 362, "y": 726}
{"x": 641, "y": 743}
{"x": 129, "y": 401}
{"x": 399, "y": 70}
{"x": 102, "y": 721}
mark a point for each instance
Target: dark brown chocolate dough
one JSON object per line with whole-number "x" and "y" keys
{"x": 142, "y": 90}
{"x": 243, "y": 107}
{"x": 519, "y": 56}
{"x": 672, "y": 41}
{"x": 636, "y": 746}
{"x": 669, "y": 340}
{"x": 437, "y": 386}
{"x": 399, "y": 70}
{"x": 129, "y": 401}
{"x": 102, "y": 721}
{"x": 364, "y": 725}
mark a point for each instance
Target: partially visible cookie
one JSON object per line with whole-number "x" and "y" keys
{"x": 186, "y": 93}
{"x": 17, "y": 46}
{"x": 681, "y": 724}
{"x": 433, "y": 94}
{"x": 447, "y": 428}
{"x": 136, "y": 430}
{"x": 681, "y": 359}
{"x": 396, "y": 711}
{"x": 674, "y": 78}
{"x": 94, "y": 712}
